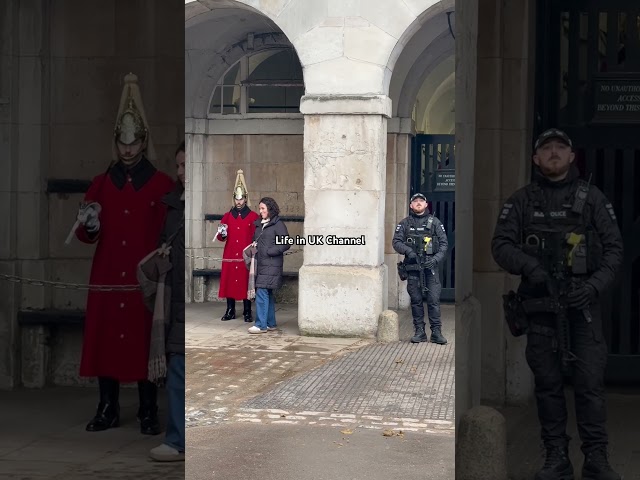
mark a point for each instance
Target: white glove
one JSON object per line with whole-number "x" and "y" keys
{"x": 89, "y": 216}
{"x": 222, "y": 230}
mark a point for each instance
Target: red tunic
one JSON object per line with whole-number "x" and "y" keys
{"x": 118, "y": 326}
{"x": 234, "y": 279}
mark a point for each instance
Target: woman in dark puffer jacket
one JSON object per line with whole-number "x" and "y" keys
{"x": 269, "y": 262}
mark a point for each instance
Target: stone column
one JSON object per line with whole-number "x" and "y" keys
{"x": 8, "y": 145}
{"x": 343, "y": 289}
{"x": 399, "y": 137}
{"x": 467, "y": 307}
{"x": 194, "y": 206}
{"x": 502, "y": 163}
{"x": 25, "y": 116}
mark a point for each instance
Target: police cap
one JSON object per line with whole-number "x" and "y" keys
{"x": 550, "y": 134}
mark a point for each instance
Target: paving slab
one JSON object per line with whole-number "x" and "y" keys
{"x": 43, "y": 437}
{"x": 525, "y": 449}
{"x": 281, "y": 452}
{"x": 282, "y": 406}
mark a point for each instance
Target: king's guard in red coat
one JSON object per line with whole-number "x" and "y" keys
{"x": 123, "y": 215}
{"x": 236, "y": 228}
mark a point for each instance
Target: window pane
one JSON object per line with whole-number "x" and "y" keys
{"x": 274, "y": 99}
{"x": 275, "y": 65}
{"x": 233, "y": 75}
{"x": 231, "y": 97}
{"x": 215, "y": 101}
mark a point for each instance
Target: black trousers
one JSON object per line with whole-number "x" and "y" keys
{"x": 589, "y": 347}
{"x": 432, "y": 282}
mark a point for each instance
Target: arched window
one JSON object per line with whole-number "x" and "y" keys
{"x": 269, "y": 81}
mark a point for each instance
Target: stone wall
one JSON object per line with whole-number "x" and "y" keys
{"x": 62, "y": 70}
{"x": 504, "y": 115}
{"x": 273, "y": 166}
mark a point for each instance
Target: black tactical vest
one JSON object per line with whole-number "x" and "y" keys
{"x": 566, "y": 228}
{"x": 421, "y": 235}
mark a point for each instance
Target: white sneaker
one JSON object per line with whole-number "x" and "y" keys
{"x": 165, "y": 453}
{"x": 272, "y": 329}
{"x": 255, "y": 329}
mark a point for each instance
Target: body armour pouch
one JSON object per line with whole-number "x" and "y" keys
{"x": 428, "y": 245}
{"x": 402, "y": 271}
{"x": 514, "y": 314}
{"x": 577, "y": 258}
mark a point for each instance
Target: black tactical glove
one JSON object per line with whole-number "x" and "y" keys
{"x": 411, "y": 257}
{"x": 582, "y": 297}
{"x": 430, "y": 262}
{"x": 538, "y": 276}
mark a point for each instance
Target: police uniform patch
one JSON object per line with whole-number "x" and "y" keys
{"x": 506, "y": 208}
{"x": 442, "y": 227}
{"x": 398, "y": 227}
{"x": 612, "y": 214}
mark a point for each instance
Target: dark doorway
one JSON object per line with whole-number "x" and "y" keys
{"x": 588, "y": 84}
{"x": 433, "y": 173}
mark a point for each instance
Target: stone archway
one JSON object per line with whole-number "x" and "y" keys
{"x": 348, "y": 54}
{"x": 219, "y": 34}
{"x": 424, "y": 52}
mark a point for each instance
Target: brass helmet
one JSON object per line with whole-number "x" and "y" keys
{"x": 131, "y": 121}
{"x": 240, "y": 190}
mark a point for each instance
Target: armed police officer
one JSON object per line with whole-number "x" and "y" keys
{"x": 561, "y": 235}
{"x": 422, "y": 239}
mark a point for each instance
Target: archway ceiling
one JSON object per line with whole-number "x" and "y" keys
{"x": 440, "y": 80}
{"x": 432, "y": 45}
{"x": 218, "y": 30}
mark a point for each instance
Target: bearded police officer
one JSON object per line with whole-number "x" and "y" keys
{"x": 421, "y": 238}
{"x": 562, "y": 217}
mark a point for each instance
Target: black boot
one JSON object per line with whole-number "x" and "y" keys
{"x": 230, "y": 314}
{"x": 420, "y": 335}
{"x": 437, "y": 337}
{"x": 596, "y": 466}
{"x": 108, "y": 413}
{"x": 247, "y": 311}
{"x": 148, "y": 411}
{"x": 557, "y": 465}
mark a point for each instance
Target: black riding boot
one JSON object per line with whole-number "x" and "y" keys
{"x": 557, "y": 465}
{"x": 247, "y": 310}
{"x": 148, "y": 411}
{"x": 108, "y": 413}
{"x": 420, "y": 335}
{"x": 230, "y": 314}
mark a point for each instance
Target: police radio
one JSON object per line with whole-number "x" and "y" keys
{"x": 581, "y": 197}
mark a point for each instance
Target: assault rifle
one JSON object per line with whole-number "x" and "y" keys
{"x": 562, "y": 257}
{"x": 421, "y": 245}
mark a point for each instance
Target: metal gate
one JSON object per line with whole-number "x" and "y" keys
{"x": 588, "y": 84}
{"x": 433, "y": 172}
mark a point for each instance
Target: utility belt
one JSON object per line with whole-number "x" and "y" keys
{"x": 517, "y": 311}
{"x": 404, "y": 269}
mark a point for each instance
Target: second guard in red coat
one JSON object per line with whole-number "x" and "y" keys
{"x": 236, "y": 228}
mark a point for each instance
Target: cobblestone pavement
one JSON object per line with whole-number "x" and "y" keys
{"x": 286, "y": 379}
{"x": 278, "y": 406}
{"x": 42, "y": 436}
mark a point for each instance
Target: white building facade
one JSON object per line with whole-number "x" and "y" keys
{"x": 318, "y": 103}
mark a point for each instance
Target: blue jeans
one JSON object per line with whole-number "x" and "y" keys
{"x": 175, "y": 395}
{"x": 265, "y": 308}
